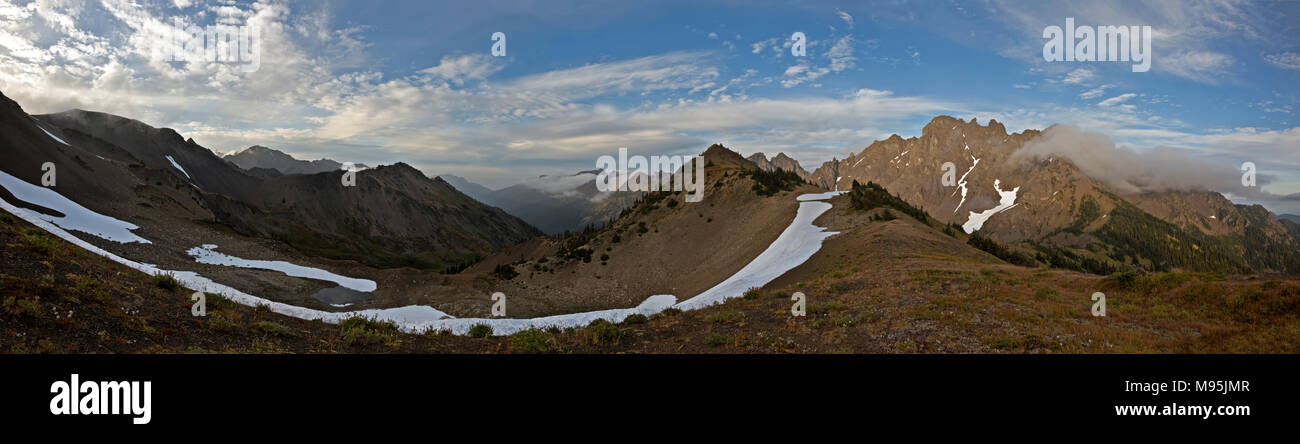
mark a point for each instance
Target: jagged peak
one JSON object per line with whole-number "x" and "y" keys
{"x": 946, "y": 123}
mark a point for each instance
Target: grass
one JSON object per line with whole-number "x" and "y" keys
{"x": 533, "y": 341}
{"x": 668, "y": 312}
{"x": 224, "y": 322}
{"x": 716, "y": 339}
{"x": 274, "y": 328}
{"x": 480, "y": 331}
{"x": 24, "y": 306}
{"x": 602, "y": 331}
{"x": 360, "y": 330}
{"x": 723, "y": 318}
{"x": 1045, "y": 292}
{"x": 39, "y": 241}
{"x": 635, "y": 318}
{"x": 166, "y": 281}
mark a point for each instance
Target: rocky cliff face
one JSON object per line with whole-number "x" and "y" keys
{"x": 970, "y": 175}
{"x": 780, "y": 162}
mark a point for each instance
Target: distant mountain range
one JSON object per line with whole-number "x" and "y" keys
{"x": 258, "y": 156}
{"x": 554, "y": 204}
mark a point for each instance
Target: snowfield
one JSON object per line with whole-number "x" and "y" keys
{"x": 207, "y": 254}
{"x": 796, "y": 244}
{"x": 800, "y": 240}
{"x": 1008, "y": 200}
{"x": 75, "y": 217}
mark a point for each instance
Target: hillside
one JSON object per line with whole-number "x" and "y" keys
{"x": 1060, "y": 214}
{"x": 915, "y": 297}
{"x": 661, "y": 245}
{"x": 394, "y": 216}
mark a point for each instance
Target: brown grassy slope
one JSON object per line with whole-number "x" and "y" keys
{"x": 667, "y": 246}
{"x": 866, "y": 291}
{"x": 904, "y": 284}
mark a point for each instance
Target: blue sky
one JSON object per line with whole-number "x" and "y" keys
{"x": 380, "y": 82}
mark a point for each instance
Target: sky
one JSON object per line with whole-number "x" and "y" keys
{"x": 416, "y": 82}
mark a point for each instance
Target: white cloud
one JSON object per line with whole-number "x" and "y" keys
{"x": 1200, "y": 66}
{"x": 1095, "y": 92}
{"x": 1285, "y": 60}
{"x": 1185, "y": 32}
{"x": 1117, "y": 99}
{"x": 841, "y": 54}
{"x": 1078, "y": 76}
{"x": 846, "y": 17}
{"x": 459, "y": 69}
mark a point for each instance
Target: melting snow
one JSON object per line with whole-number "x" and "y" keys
{"x": 796, "y": 244}
{"x": 411, "y": 318}
{"x": 207, "y": 254}
{"x": 52, "y": 136}
{"x": 962, "y": 183}
{"x": 977, "y": 220}
{"x": 75, "y": 216}
{"x": 178, "y": 166}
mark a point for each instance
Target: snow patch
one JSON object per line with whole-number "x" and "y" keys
{"x": 411, "y": 318}
{"x": 178, "y": 166}
{"x": 1008, "y": 200}
{"x": 75, "y": 217}
{"x": 52, "y": 136}
{"x": 962, "y": 182}
{"x": 796, "y": 244}
{"x": 206, "y": 254}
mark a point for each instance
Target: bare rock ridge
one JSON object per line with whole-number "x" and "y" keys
{"x": 1051, "y": 203}
{"x": 394, "y": 216}
{"x": 780, "y": 162}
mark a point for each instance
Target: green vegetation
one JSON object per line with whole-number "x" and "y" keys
{"x": 1134, "y": 233}
{"x": 768, "y": 183}
{"x": 359, "y": 330}
{"x": 273, "y": 329}
{"x": 716, "y": 339}
{"x": 504, "y": 272}
{"x": 602, "y": 331}
{"x": 1010, "y": 255}
{"x": 166, "y": 281}
{"x": 480, "y": 331}
{"x": 871, "y": 196}
{"x": 532, "y": 341}
{"x": 39, "y": 241}
{"x": 635, "y": 318}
